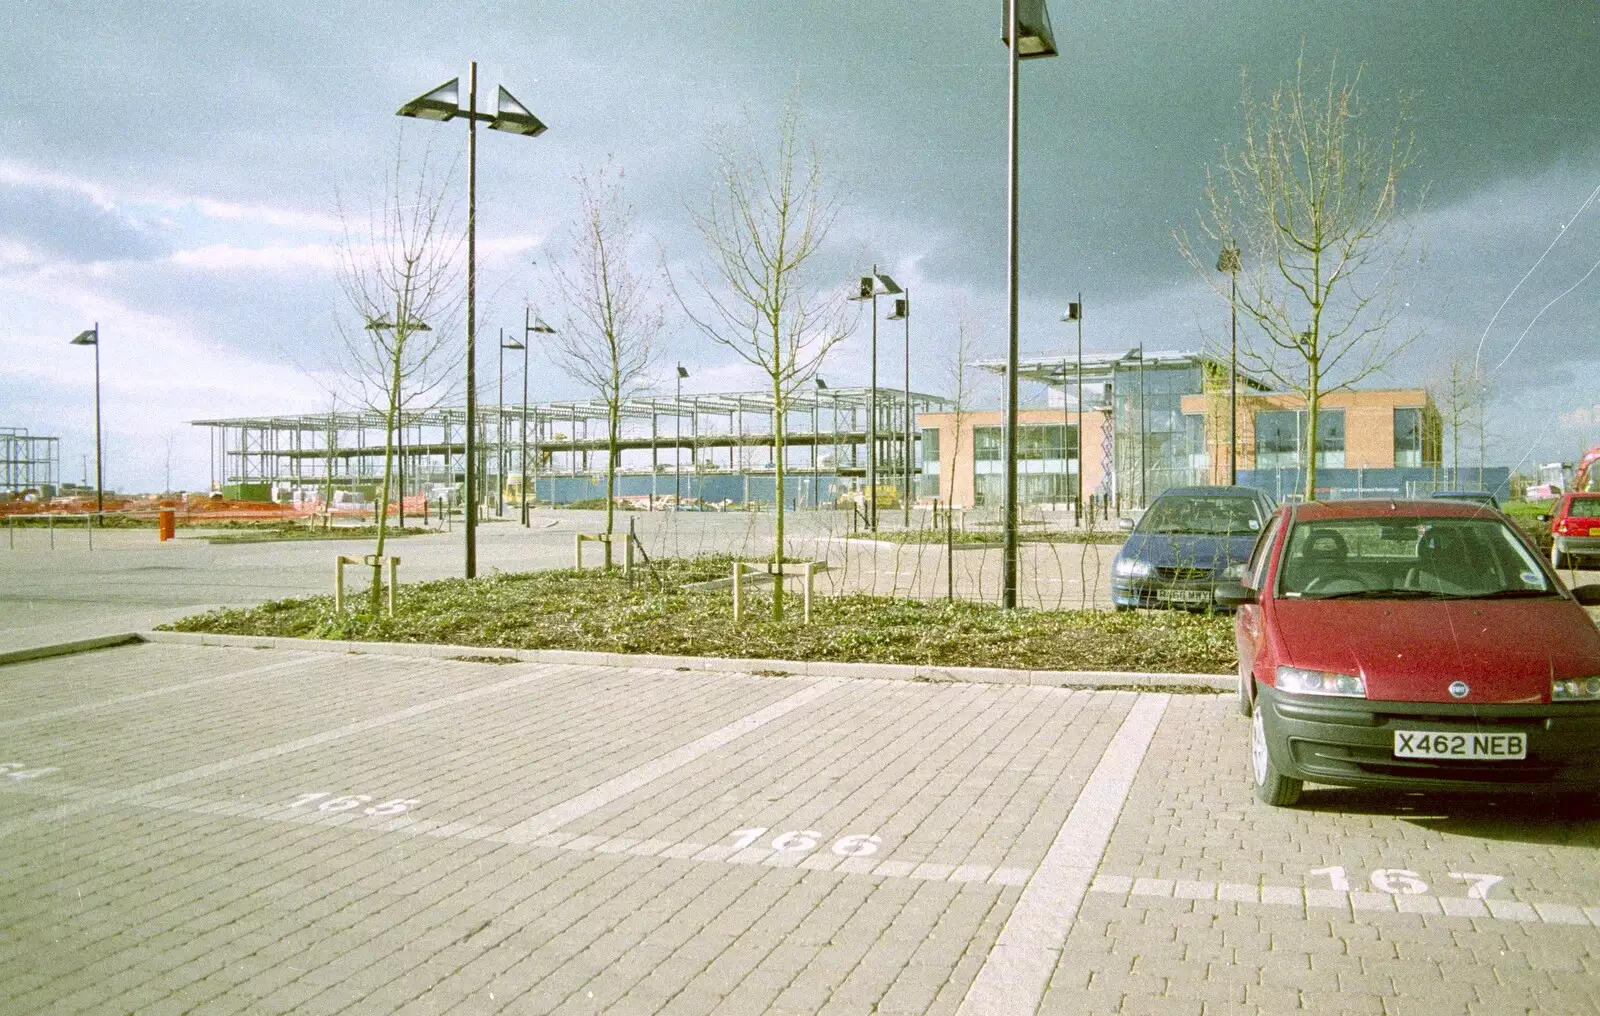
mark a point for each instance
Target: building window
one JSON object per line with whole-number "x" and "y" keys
{"x": 1047, "y": 463}
{"x": 930, "y": 450}
{"x": 1408, "y": 438}
{"x": 1280, "y": 438}
{"x": 986, "y": 444}
{"x": 1277, "y": 439}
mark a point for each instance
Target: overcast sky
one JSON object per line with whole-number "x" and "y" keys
{"x": 174, "y": 171}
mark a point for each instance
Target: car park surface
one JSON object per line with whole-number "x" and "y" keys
{"x": 218, "y": 830}
{"x": 1184, "y": 545}
{"x": 1414, "y": 645}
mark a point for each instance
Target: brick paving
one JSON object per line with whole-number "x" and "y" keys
{"x": 218, "y": 830}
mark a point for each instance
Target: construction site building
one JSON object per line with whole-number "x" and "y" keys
{"x": 698, "y": 449}
{"x": 30, "y": 464}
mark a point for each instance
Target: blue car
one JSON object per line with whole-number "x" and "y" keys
{"x": 1184, "y": 545}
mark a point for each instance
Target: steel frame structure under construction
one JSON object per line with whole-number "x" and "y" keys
{"x": 29, "y": 463}
{"x": 667, "y": 444}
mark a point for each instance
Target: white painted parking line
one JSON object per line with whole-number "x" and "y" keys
{"x": 571, "y": 810}
{"x": 89, "y": 707}
{"x": 1353, "y": 903}
{"x": 1018, "y": 968}
{"x": 266, "y": 754}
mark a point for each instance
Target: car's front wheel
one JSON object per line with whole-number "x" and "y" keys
{"x": 1272, "y": 787}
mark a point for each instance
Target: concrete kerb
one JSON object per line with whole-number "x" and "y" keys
{"x": 69, "y": 648}
{"x": 881, "y": 671}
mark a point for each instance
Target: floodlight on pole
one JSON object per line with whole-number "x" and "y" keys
{"x": 512, "y": 117}
{"x": 902, "y": 312}
{"x": 532, "y": 324}
{"x": 500, "y": 414}
{"x": 1027, "y": 36}
{"x": 873, "y": 286}
{"x": 677, "y": 443}
{"x": 1228, "y": 261}
{"x": 91, "y": 337}
{"x": 1075, "y": 313}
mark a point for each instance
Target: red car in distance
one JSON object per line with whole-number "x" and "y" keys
{"x": 1574, "y": 529}
{"x": 1413, "y": 645}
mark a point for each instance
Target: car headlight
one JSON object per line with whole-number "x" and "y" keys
{"x": 1129, "y": 568}
{"x": 1300, "y": 681}
{"x": 1577, "y": 689}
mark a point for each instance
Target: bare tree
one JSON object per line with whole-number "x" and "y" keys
{"x": 613, "y": 319}
{"x": 1460, "y": 391}
{"x": 1312, "y": 196}
{"x": 398, "y": 273}
{"x": 962, "y": 389}
{"x": 767, "y": 217}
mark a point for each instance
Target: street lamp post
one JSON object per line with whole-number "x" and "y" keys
{"x": 1075, "y": 313}
{"x": 816, "y": 473}
{"x": 902, "y": 312}
{"x": 1228, "y": 261}
{"x": 531, "y": 325}
{"x": 92, "y": 338}
{"x": 1027, "y": 36}
{"x": 500, "y": 427}
{"x": 677, "y": 443}
{"x": 872, "y": 287}
{"x": 512, "y": 117}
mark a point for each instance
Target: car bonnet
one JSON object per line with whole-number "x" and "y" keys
{"x": 1507, "y": 651}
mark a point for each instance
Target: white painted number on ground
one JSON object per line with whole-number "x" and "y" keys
{"x": 1479, "y": 885}
{"x": 801, "y": 840}
{"x": 19, "y": 771}
{"x": 1400, "y": 882}
{"x": 349, "y": 802}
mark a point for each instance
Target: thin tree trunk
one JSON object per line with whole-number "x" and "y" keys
{"x": 1313, "y": 411}
{"x": 376, "y": 592}
{"x": 777, "y": 451}
{"x": 612, "y": 435}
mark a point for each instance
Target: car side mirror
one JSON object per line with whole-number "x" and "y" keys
{"x": 1587, "y": 595}
{"x": 1543, "y": 518}
{"x": 1126, "y": 525}
{"x": 1232, "y": 594}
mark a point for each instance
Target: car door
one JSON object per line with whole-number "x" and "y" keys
{"x": 1248, "y": 630}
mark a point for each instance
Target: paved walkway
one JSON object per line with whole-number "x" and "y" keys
{"x": 217, "y": 830}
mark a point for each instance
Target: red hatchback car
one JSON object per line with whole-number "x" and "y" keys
{"x": 1574, "y": 529}
{"x": 1413, "y": 645}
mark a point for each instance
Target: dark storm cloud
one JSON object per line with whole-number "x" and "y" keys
{"x": 56, "y": 224}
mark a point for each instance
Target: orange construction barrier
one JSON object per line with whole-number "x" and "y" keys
{"x": 168, "y": 525}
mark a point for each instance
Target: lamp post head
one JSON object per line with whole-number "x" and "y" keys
{"x": 683, "y": 371}
{"x": 1034, "y": 38}
{"x": 876, "y": 285}
{"x": 1074, "y": 312}
{"x": 513, "y": 344}
{"x": 87, "y": 338}
{"x": 513, "y": 117}
{"x": 902, "y": 309}
{"x": 540, "y": 327}
{"x": 1228, "y": 260}
{"x": 822, "y": 385}
{"x": 443, "y": 103}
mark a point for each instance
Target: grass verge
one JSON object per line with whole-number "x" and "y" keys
{"x": 598, "y": 612}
